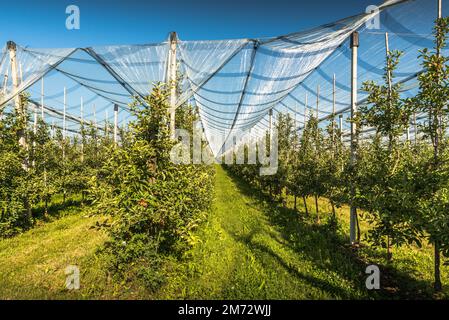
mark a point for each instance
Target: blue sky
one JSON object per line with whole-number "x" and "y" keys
{"x": 42, "y": 23}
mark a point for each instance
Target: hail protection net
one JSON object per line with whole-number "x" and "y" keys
{"x": 233, "y": 83}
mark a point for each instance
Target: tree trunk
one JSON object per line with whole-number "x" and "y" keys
{"x": 437, "y": 285}
{"x": 334, "y": 214}
{"x": 389, "y": 254}
{"x": 305, "y": 205}
{"x": 317, "y": 210}
{"x": 295, "y": 203}
{"x": 358, "y": 226}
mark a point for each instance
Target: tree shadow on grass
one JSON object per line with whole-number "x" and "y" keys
{"x": 326, "y": 247}
{"x": 55, "y": 209}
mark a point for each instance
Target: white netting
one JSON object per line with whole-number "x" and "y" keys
{"x": 234, "y": 83}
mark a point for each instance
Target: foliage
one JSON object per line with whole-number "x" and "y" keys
{"x": 154, "y": 204}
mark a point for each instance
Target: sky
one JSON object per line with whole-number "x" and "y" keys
{"x": 43, "y": 23}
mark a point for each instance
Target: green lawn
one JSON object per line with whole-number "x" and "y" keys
{"x": 248, "y": 248}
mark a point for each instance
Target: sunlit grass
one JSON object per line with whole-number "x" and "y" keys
{"x": 248, "y": 247}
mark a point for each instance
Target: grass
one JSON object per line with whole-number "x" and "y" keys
{"x": 252, "y": 249}
{"x": 249, "y": 247}
{"x": 32, "y": 264}
{"x": 410, "y": 273}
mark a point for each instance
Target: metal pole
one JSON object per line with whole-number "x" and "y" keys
{"x": 42, "y": 98}
{"x": 440, "y": 9}
{"x": 34, "y": 132}
{"x": 317, "y": 100}
{"x": 35, "y": 123}
{"x": 333, "y": 108}
{"x": 64, "y": 115}
{"x": 106, "y": 124}
{"x": 95, "y": 118}
{"x": 172, "y": 73}
{"x": 334, "y": 98}
{"x": 305, "y": 111}
{"x": 115, "y": 123}
{"x": 12, "y": 48}
{"x": 415, "y": 127}
{"x": 354, "y": 47}
{"x": 82, "y": 128}
{"x": 271, "y": 121}
{"x": 5, "y": 81}
{"x": 387, "y": 54}
{"x": 341, "y": 127}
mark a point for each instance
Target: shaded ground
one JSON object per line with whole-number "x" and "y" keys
{"x": 249, "y": 248}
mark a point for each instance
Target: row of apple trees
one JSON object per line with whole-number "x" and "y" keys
{"x": 50, "y": 166}
{"x": 400, "y": 187}
{"x": 154, "y": 203}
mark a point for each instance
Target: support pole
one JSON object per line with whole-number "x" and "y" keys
{"x": 172, "y": 74}
{"x": 354, "y": 47}
{"x": 35, "y": 123}
{"x": 333, "y": 107}
{"x": 271, "y": 121}
{"x": 106, "y": 124}
{"x": 82, "y": 128}
{"x": 317, "y": 100}
{"x": 341, "y": 127}
{"x": 64, "y": 115}
{"x": 305, "y": 111}
{"x": 5, "y": 81}
{"x": 20, "y": 112}
{"x": 334, "y": 95}
{"x": 95, "y": 118}
{"x": 115, "y": 123}
{"x": 415, "y": 128}
{"x": 387, "y": 53}
{"x": 440, "y": 9}
{"x": 42, "y": 98}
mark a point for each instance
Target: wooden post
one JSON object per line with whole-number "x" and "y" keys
{"x": 12, "y": 48}
{"x": 115, "y": 123}
{"x": 354, "y": 47}
{"x": 172, "y": 74}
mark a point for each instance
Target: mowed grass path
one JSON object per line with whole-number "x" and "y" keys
{"x": 251, "y": 249}
{"x": 248, "y": 248}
